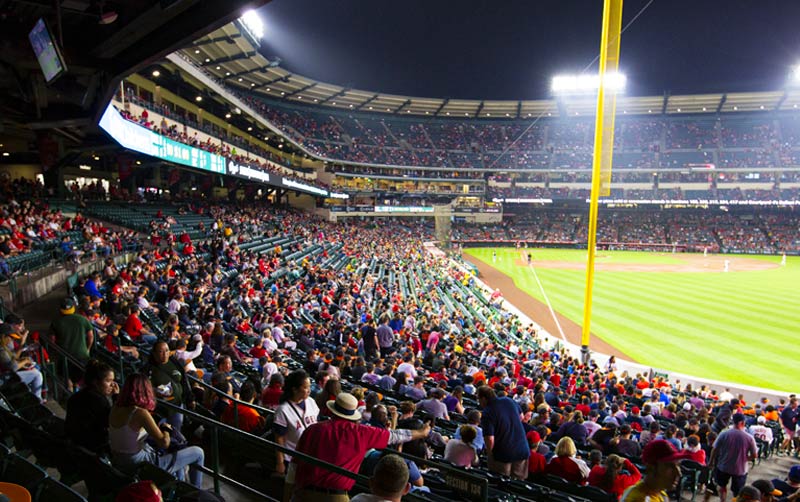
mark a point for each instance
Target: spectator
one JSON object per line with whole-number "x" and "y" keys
{"x": 767, "y": 490}
{"x": 791, "y": 485}
{"x": 169, "y": 381}
{"x": 136, "y": 330}
{"x": 75, "y": 334}
{"x": 504, "y": 435}
{"x": 130, "y": 422}
{"x": 341, "y": 441}
{"x": 730, "y": 458}
{"x": 611, "y": 478}
{"x": 624, "y": 445}
{"x": 12, "y": 360}
{"x": 295, "y": 413}
{"x": 661, "y": 475}
{"x": 537, "y": 463}
{"x": 474, "y": 419}
{"x": 245, "y": 417}
{"x": 566, "y": 465}
{"x": 461, "y": 452}
{"x": 389, "y": 481}
{"x": 88, "y": 409}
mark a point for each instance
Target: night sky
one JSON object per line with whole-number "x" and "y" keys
{"x": 499, "y": 49}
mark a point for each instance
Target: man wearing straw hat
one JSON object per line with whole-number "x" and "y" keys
{"x": 341, "y": 441}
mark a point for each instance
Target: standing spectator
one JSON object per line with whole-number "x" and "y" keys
{"x": 369, "y": 338}
{"x": 341, "y": 441}
{"x": 385, "y": 337}
{"x": 503, "y": 434}
{"x": 295, "y": 413}
{"x": 75, "y": 334}
{"x": 789, "y": 417}
{"x": 661, "y": 475}
{"x": 730, "y": 457}
{"x": 611, "y": 478}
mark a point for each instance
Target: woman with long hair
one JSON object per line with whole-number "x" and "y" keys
{"x": 611, "y": 476}
{"x": 131, "y": 423}
{"x": 88, "y": 409}
{"x": 294, "y": 414}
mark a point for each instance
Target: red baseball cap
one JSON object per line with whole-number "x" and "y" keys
{"x": 533, "y": 437}
{"x": 661, "y": 451}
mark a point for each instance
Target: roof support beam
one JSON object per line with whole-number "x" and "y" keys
{"x": 367, "y": 101}
{"x": 665, "y": 103}
{"x": 302, "y": 89}
{"x": 333, "y": 96}
{"x": 519, "y": 108}
{"x": 401, "y": 107}
{"x": 781, "y": 101}
{"x": 441, "y": 107}
{"x": 246, "y": 72}
{"x": 266, "y": 84}
{"x": 722, "y": 101}
{"x": 226, "y": 38}
{"x": 480, "y": 107}
{"x": 227, "y": 59}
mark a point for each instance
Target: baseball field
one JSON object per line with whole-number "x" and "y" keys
{"x": 680, "y": 312}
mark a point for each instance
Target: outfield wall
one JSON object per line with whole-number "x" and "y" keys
{"x": 751, "y": 394}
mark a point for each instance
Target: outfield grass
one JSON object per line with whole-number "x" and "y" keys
{"x": 738, "y": 327}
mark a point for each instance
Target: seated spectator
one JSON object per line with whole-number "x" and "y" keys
{"x": 130, "y": 422}
{"x": 270, "y": 397}
{"x": 566, "y": 465}
{"x": 462, "y": 452}
{"x": 573, "y": 429}
{"x": 611, "y": 478}
{"x": 12, "y": 361}
{"x": 791, "y": 485}
{"x": 389, "y": 481}
{"x": 693, "y": 450}
{"x": 136, "y": 330}
{"x": 248, "y": 419}
{"x": 434, "y": 405}
{"x": 624, "y": 445}
{"x": 537, "y": 463}
{"x": 88, "y": 409}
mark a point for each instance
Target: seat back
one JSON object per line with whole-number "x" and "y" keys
{"x": 21, "y": 471}
{"x": 52, "y": 490}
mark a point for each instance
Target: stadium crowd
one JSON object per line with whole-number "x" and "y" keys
{"x": 348, "y": 324}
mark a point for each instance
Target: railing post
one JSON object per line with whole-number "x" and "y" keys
{"x": 215, "y": 454}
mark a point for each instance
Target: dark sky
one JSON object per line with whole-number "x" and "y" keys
{"x": 473, "y": 49}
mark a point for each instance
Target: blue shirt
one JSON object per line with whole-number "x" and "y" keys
{"x": 501, "y": 420}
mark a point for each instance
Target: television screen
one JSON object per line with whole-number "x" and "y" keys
{"x": 46, "y": 51}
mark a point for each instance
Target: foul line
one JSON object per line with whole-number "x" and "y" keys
{"x": 546, "y": 299}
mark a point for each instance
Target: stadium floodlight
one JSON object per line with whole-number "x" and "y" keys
{"x": 587, "y": 83}
{"x": 253, "y": 23}
{"x": 796, "y": 74}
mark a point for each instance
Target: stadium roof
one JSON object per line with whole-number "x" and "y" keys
{"x": 230, "y": 55}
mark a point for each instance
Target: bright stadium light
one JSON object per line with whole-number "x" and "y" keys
{"x": 587, "y": 83}
{"x": 253, "y": 24}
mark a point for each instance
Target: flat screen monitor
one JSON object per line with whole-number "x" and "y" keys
{"x": 47, "y": 52}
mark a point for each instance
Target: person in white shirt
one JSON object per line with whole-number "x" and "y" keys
{"x": 726, "y": 396}
{"x": 187, "y": 357}
{"x": 760, "y": 431}
{"x": 407, "y": 366}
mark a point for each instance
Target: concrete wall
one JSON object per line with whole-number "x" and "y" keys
{"x": 30, "y": 288}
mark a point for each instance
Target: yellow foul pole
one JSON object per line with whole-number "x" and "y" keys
{"x": 603, "y": 147}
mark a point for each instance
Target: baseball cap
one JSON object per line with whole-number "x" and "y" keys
{"x": 766, "y": 487}
{"x": 661, "y": 451}
{"x": 748, "y": 493}
{"x": 67, "y": 306}
{"x": 738, "y": 417}
{"x": 794, "y": 473}
{"x": 635, "y": 410}
{"x": 761, "y": 419}
{"x": 533, "y": 437}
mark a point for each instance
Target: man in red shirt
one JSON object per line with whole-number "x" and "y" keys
{"x": 341, "y": 441}
{"x": 135, "y": 329}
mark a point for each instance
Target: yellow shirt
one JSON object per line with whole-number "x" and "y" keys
{"x": 637, "y": 493}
